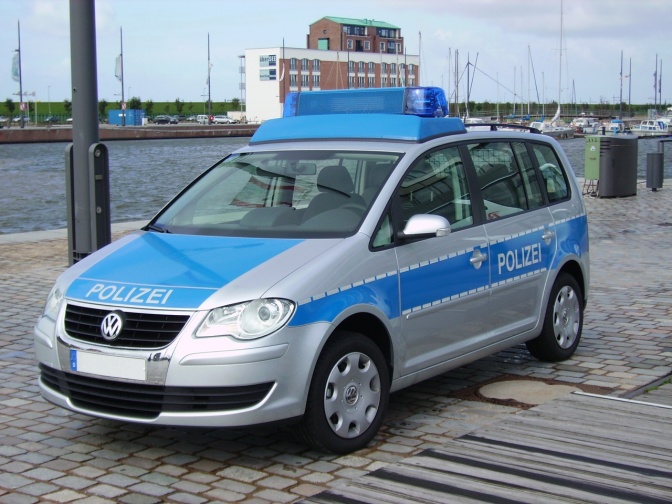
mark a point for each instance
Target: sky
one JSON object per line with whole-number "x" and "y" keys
{"x": 511, "y": 47}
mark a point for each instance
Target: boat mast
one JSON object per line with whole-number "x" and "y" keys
{"x": 560, "y": 66}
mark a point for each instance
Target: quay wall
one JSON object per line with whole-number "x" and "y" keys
{"x": 64, "y": 133}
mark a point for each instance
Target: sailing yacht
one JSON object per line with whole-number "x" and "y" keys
{"x": 556, "y": 128}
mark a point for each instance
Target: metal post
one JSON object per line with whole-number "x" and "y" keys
{"x": 85, "y": 214}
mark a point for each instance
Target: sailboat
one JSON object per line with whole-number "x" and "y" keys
{"x": 555, "y": 127}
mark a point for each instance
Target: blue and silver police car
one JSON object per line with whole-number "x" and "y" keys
{"x": 359, "y": 244}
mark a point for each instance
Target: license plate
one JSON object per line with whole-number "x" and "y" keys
{"x": 110, "y": 366}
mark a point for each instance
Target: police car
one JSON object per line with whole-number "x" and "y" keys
{"x": 358, "y": 245}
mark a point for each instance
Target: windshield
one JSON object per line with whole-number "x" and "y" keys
{"x": 282, "y": 193}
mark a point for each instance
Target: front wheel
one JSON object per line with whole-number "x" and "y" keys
{"x": 348, "y": 395}
{"x": 563, "y": 322}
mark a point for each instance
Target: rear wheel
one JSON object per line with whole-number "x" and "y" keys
{"x": 348, "y": 395}
{"x": 563, "y": 322}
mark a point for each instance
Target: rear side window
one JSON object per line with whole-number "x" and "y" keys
{"x": 551, "y": 172}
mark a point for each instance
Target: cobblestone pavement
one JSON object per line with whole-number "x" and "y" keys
{"x": 48, "y": 454}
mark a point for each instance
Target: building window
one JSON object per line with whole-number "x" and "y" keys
{"x": 316, "y": 65}
{"x": 383, "y": 68}
{"x": 393, "y": 68}
{"x": 367, "y": 45}
{"x": 323, "y": 44}
{"x": 398, "y": 48}
{"x": 350, "y": 45}
{"x": 351, "y": 82}
{"x": 304, "y": 64}
{"x": 293, "y": 80}
{"x": 351, "y": 66}
{"x": 382, "y": 47}
{"x": 354, "y": 30}
{"x": 372, "y": 67}
{"x": 316, "y": 81}
{"x": 304, "y": 80}
{"x": 360, "y": 67}
{"x": 360, "y": 82}
{"x": 383, "y": 82}
{"x": 393, "y": 82}
{"x": 372, "y": 82}
{"x": 293, "y": 64}
{"x": 411, "y": 69}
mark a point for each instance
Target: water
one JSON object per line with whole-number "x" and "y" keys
{"x": 145, "y": 174}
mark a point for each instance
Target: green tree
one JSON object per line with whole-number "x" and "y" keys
{"x": 134, "y": 103}
{"x": 102, "y": 106}
{"x": 235, "y": 104}
{"x": 67, "y": 105}
{"x": 190, "y": 107}
{"x": 149, "y": 107}
{"x": 179, "y": 105}
{"x": 10, "y": 106}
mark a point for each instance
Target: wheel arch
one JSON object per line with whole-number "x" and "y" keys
{"x": 374, "y": 329}
{"x": 574, "y": 269}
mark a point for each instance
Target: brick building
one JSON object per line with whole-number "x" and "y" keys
{"x": 340, "y": 53}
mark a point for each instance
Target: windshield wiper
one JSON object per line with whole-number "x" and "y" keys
{"x": 154, "y": 227}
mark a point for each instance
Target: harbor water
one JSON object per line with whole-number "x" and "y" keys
{"x": 145, "y": 174}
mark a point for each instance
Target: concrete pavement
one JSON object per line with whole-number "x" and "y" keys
{"x": 48, "y": 454}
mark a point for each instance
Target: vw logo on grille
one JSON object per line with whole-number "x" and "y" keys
{"x": 111, "y": 326}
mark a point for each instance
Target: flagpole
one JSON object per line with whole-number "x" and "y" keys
{"x": 123, "y": 105}
{"x": 209, "y": 99}
{"x": 23, "y": 122}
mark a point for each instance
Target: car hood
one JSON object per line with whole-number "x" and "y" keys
{"x": 181, "y": 271}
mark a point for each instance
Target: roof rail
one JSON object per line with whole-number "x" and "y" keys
{"x": 501, "y": 127}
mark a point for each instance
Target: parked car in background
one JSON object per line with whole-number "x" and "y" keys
{"x": 181, "y": 117}
{"x": 162, "y": 119}
{"x": 222, "y": 119}
{"x": 52, "y": 120}
{"x": 174, "y": 120}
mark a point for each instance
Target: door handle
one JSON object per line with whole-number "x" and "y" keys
{"x": 477, "y": 258}
{"x": 548, "y": 236}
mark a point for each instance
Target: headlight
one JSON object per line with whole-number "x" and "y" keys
{"x": 249, "y": 320}
{"x": 53, "y": 303}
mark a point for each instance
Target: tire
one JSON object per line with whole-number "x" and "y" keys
{"x": 348, "y": 395}
{"x": 563, "y": 322}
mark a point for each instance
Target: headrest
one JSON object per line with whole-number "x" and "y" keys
{"x": 335, "y": 178}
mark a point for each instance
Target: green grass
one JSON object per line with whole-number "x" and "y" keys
{"x": 58, "y": 109}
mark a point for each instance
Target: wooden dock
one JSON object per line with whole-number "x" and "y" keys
{"x": 579, "y": 448}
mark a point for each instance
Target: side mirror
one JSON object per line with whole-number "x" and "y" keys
{"x": 425, "y": 226}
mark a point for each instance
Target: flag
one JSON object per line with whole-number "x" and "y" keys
{"x": 119, "y": 70}
{"x": 15, "y": 67}
{"x": 207, "y": 81}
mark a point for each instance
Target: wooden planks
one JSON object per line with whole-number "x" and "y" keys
{"x": 580, "y": 448}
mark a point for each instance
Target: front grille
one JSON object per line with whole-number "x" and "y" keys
{"x": 141, "y": 330}
{"x": 142, "y": 401}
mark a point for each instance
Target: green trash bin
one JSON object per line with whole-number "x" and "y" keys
{"x": 612, "y": 161}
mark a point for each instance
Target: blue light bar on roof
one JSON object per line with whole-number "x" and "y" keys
{"x": 418, "y": 101}
{"x": 385, "y": 127}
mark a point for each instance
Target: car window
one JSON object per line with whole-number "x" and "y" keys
{"x": 531, "y": 182}
{"x": 284, "y": 193}
{"x": 499, "y": 179}
{"x": 436, "y": 184}
{"x": 554, "y": 177}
